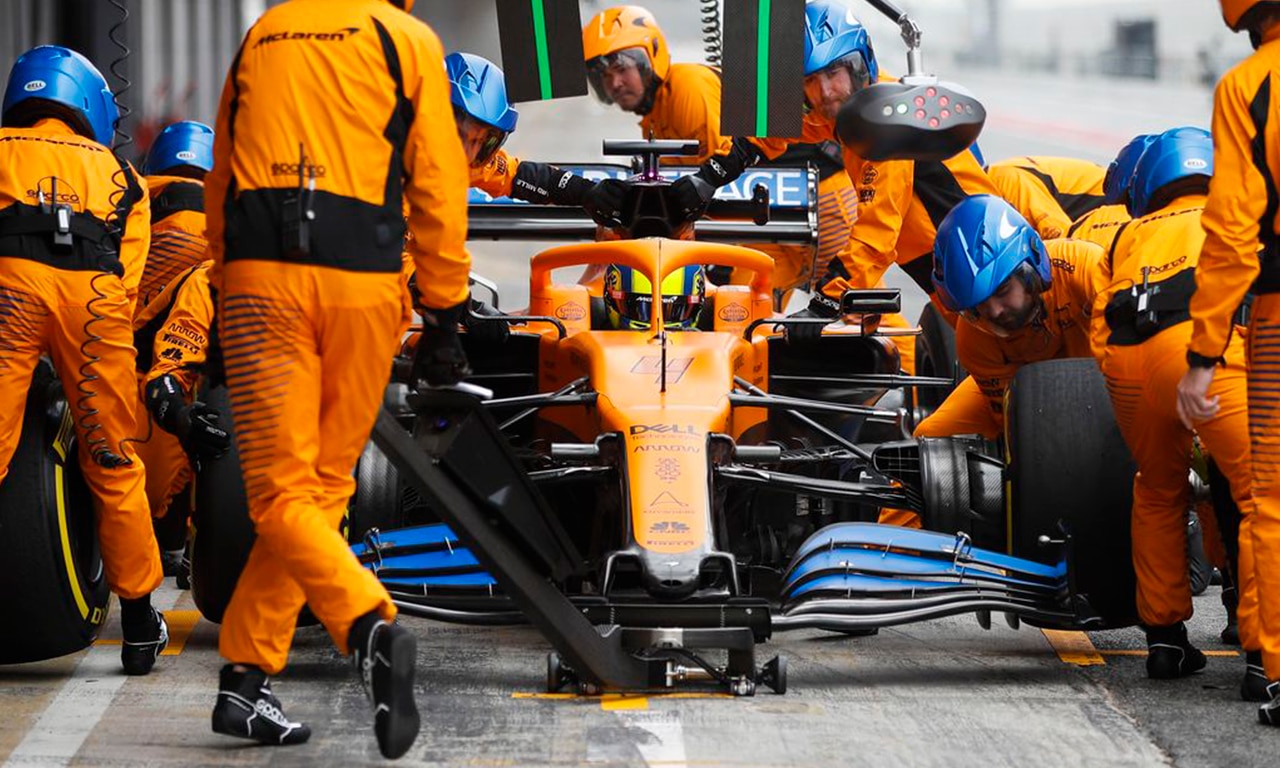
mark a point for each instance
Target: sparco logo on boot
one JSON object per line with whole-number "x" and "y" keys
{"x": 51, "y": 190}
{"x": 319, "y": 37}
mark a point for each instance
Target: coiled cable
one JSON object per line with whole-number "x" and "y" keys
{"x": 711, "y": 31}
{"x": 98, "y": 445}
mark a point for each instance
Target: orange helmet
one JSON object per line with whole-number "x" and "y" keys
{"x": 1234, "y": 11}
{"x": 627, "y": 26}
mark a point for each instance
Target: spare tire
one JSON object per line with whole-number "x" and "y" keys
{"x": 53, "y": 590}
{"x": 378, "y": 501}
{"x": 221, "y": 531}
{"x": 935, "y": 356}
{"x": 1070, "y": 470}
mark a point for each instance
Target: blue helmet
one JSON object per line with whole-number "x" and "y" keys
{"x": 52, "y": 73}
{"x": 831, "y": 34}
{"x": 185, "y": 143}
{"x": 1175, "y": 155}
{"x": 1115, "y": 185}
{"x": 981, "y": 243}
{"x": 478, "y": 87}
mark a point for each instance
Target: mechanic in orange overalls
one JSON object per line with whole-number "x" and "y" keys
{"x": 172, "y": 338}
{"x": 73, "y": 237}
{"x": 629, "y": 64}
{"x": 1021, "y": 300}
{"x": 1049, "y": 192}
{"x": 900, "y": 202}
{"x": 175, "y": 168}
{"x": 1140, "y": 332}
{"x": 307, "y": 247}
{"x": 1103, "y": 223}
{"x": 485, "y": 119}
{"x": 1242, "y": 251}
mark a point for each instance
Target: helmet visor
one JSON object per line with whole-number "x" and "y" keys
{"x": 678, "y": 310}
{"x": 1013, "y": 305}
{"x": 480, "y": 140}
{"x": 607, "y": 73}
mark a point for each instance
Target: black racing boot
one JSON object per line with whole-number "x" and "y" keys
{"x": 1231, "y": 601}
{"x": 146, "y": 635}
{"x": 385, "y": 654}
{"x": 246, "y": 708}
{"x": 1254, "y": 685}
{"x": 1269, "y": 713}
{"x": 1170, "y": 654}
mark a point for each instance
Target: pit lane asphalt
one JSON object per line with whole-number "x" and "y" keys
{"x": 944, "y": 693}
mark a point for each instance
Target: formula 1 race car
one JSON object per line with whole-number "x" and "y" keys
{"x": 645, "y": 495}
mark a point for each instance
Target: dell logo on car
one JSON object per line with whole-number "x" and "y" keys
{"x": 34, "y": 85}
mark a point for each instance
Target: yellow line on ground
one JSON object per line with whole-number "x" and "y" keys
{"x": 1143, "y": 652}
{"x": 1073, "y": 647}
{"x": 180, "y": 625}
{"x": 617, "y": 701}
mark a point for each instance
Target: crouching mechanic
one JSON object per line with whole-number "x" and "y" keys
{"x": 1021, "y": 300}
{"x": 73, "y": 237}
{"x": 172, "y": 338}
{"x": 1242, "y": 249}
{"x": 485, "y": 119}
{"x": 307, "y": 268}
{"x": 1140, "y": 333}
{"x": 175, "y": 168}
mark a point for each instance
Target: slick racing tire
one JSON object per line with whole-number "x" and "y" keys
{"x": 935, "y": 356}
{"x": 53, "y": 591}
{"x": 221, "y": 531}
{"x": 378, "y": 501}
{"x": 1070, "y": 472}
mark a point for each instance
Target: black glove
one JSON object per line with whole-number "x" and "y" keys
{"x": 195, "y": 425}
{"x": 691, "y": 195}
{"x": 439, "y": 360}
{"x": 542, "y": 183}
{"x": 603, "y": 202}
{"x": 485, "y": 331}
{"x": 820, "y": 306}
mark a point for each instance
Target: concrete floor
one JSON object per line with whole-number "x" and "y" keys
{"x": 943, "y": 693}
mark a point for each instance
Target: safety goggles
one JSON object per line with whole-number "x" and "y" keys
{"x": 600, "y": 66}
{"x": 485, "y": 137}
{"x": 678, "y": 310}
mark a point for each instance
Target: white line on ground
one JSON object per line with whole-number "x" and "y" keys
{"x": 56, "y": 736}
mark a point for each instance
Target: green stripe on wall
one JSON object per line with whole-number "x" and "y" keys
{"x": 540, "y": 41}
{"x": 762, "y": 69}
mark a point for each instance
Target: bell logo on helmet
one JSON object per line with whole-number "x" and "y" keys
{"x": 1195, "y": 164}
{"x": 34, "y": 85}
{"x": 186, "y": 154}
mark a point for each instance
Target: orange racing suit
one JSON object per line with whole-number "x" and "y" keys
{"x": 73, "y": 302}
{"x": 340, "y": 108}
{"x": 1242, "y": 249}
{"x": 177, "y": 233}
{"x": 1142, "y": 361}
{"x": 1049, "y": 192}
{"x": 1061, "y": 330}
{"x": 172, "y": 338}
{"x": 1101, "y": 225}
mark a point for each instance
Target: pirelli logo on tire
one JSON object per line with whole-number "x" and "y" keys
{"x": 62, "y": 440}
